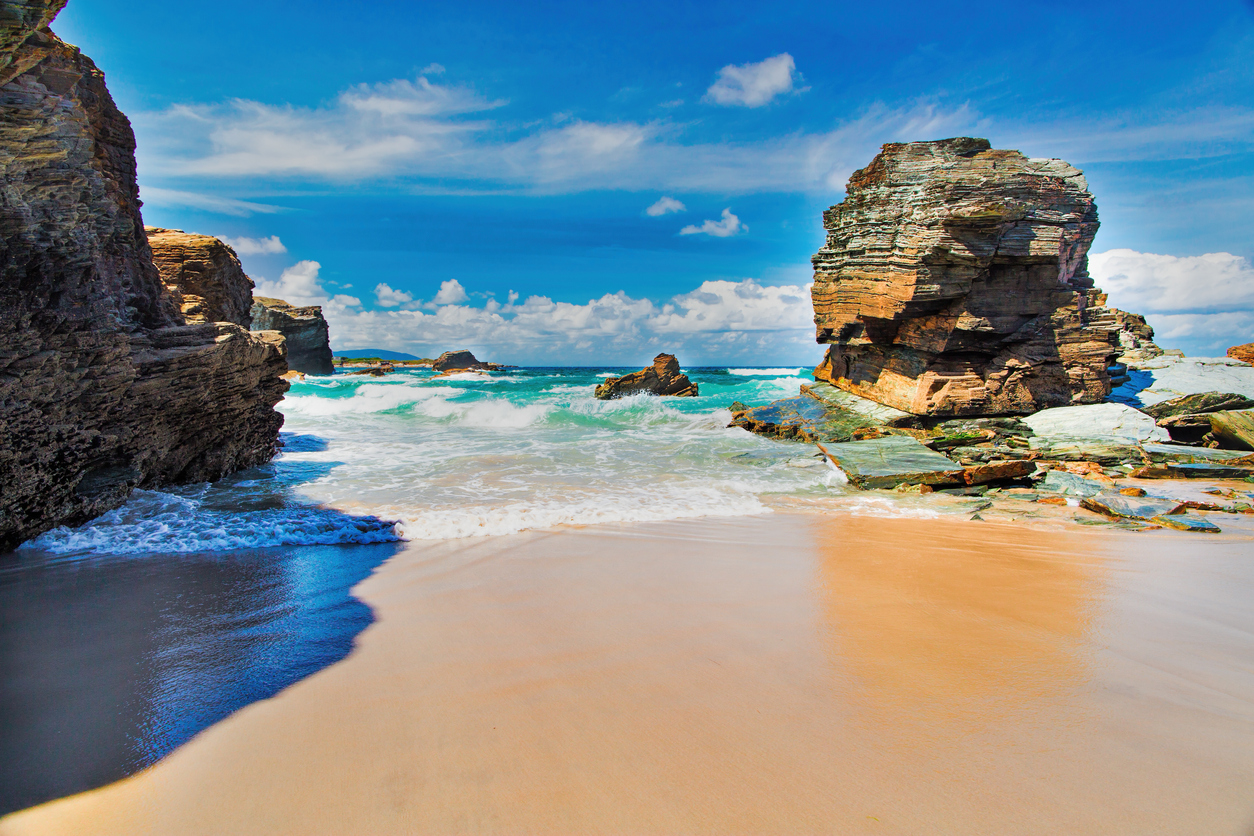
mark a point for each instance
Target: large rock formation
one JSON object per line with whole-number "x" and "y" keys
{"x": 662, "y": 378}
{"x": 203, "y": 276}
{"x": 103, "y": 387}
{"x": 954, "y": 281}
{"x": 306, "y": 332}
{"x": 1244, "y": 353}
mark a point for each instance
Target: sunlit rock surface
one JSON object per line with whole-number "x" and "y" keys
{"x": 304, "y": 328}
{"x": 203, "y": 276}
{"x": 662, "y": 378}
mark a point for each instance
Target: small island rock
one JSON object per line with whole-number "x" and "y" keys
{"x": 662, "y": 378}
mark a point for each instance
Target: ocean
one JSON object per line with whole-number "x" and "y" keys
{"x": 410, "y": 456}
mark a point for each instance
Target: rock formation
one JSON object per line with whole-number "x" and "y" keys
{"x": 954, "y": 281}
{"x": 203, "y": 276}
{"x": 1244, "y": 353}
{"x": 103, "y": 387}
{"x": 306, "y": 332}
{"x": 662, "y": 378}
{"x": 462, "y": 360}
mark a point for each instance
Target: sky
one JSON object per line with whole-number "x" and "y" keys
{"x": 582, "y": 184}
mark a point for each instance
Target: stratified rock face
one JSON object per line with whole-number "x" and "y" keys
{"x": 1244, "y": 353}
{"x": 203, "y": 276}
{"x": 306, "y": 332}
{"x": 102, "y": 385}
{"x": 954, "y": 281}
{"x": 662, "y": 378}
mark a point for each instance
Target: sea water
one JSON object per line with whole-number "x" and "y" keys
{"x": 416, "y": 456}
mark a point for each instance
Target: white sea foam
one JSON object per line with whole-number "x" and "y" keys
{"x": 370, "y": 397}
{"x": 155, "y": 521}
{"x": 764, "y": 372}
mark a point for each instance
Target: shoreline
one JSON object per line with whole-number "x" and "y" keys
{"x": 781, "y": 672}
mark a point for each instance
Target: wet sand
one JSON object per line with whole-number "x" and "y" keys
{"x": 790, "y": 673}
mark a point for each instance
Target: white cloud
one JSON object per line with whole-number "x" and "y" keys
{"x": 1202, "y": 304}
{"x": 665, "y": 205}
{"x": 389, "y": 298}
{"x": 154, "y": 196}
{"x": 451, "y": 293}
{"x": 255, "y": 246}
{"x": 730, "y": 225}
{"x": 753, "y": 85}
{"x": 432, "y": 69}
{"x": 720, "y": 321}
{"x": 299, "y": 285}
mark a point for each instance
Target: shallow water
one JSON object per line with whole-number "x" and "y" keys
{"x": 410, "y": 456}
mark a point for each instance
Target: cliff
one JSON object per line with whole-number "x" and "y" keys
{"x": 203, "y": 276}
{"x": 306, "y": 332}
{"x": 954, "y": 281}
{"x": 103, "y": 385}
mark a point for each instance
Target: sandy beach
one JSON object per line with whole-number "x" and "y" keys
{"x": 783, "y": 673}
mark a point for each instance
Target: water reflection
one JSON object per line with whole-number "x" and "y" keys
{"x": 108, "y": 664}
{"x": 942, "y": 633}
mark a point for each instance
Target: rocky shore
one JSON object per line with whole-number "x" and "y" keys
{"x": 109, "y": 380}
{"x": 970, "y": 352}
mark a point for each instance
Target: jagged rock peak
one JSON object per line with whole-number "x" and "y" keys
{"x": 954, "y": 281}
{"x": 662, "y": 378}
{"x": 305, "y": 329}
{"x": 203, "y": 276}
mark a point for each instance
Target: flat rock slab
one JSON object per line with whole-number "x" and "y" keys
{"x": 1131, "y": 507}
{"x": 1184, "y": 522}
{"x": 1102, "y": 452}
{"x": 1183, "y": 454}
{"x": 982, "y": 474}
{"x": 1197, "y": 470}
{"x": 1069, "y": 484}
{"x": 891, "y": 461}
{"x": 879, "y": 414}
{"x": 1102, "y": 421}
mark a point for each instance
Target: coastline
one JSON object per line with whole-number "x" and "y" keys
{"x": 784, "y": 672}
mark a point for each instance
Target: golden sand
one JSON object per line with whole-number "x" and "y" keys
{"x": 791, "y": 673}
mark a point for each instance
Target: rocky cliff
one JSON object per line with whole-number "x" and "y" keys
{"x": 304, "y": 328}
{"x": 103, "y": 386}
{"x": 954, "y": 281}
{"x": 203, "y": 276}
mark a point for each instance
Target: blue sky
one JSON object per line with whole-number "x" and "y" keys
{"x": 482, "y": 174}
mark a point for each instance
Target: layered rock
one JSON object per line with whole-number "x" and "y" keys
{"x": 662, "y": 378}
{"x": 1244, "y": 353}
{"x": 304, "y": 328}
{"x": 203, "y": 275}
{"x": 954, "y": 281}
{"x": 461, "y": 360}
{"x": 103, "y": 387}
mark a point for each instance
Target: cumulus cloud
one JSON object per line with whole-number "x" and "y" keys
{"x": 1202, "y": 304}
{"x": 753, "y": 85}
{"x": 300, "y": 285}
{"x": 665, "y": 205}
{"x": 255, "y": 246}
{"x": 730, "y": 225}
{"x": 451, "y": 293}
{"x": 720, "y": 321}
{"x": 389, "y": 298}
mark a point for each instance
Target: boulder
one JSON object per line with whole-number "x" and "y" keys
{"x": 1234, "y": 429}
{"x": 1104, "y": 421}
{"x": 954, "y": 281}
{"x": 892, "y": 460}
{"x": 104, "y": 386}
{"x": 662, "y": 378}
{"x": 1244, "y": 353}
{"x": 304, "y": 328}
{"x": 203, "y": 276}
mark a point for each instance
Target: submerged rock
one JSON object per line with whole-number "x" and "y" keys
{"x": 662, "y": 378}
{"x": 103, "y": 385}
{"x": 203, "y": 276}
{"x": 304, "y": 328}
{"x": 954, "y": 281}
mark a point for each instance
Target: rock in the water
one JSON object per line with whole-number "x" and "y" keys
{"x": 1185, "y": 522}
{"x": 102, "y": 386}
{"x": 1131, "y": 507}
{"x": 954, "y": 281}
{"x": 1234, "y": 429}
{"x": 203, "y": 275}
{"x": 891, "y": 461}
{"x": 456, "y": 361}
{"x": 1106, "y": 421}
{"x": 306, "y": 332}
{"x": 662, "y": 378}
{"x": 1244, "y": 353}
{"x": 1069, "y": 484}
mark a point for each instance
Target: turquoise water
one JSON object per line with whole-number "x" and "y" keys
{"x": 416, "y": 457}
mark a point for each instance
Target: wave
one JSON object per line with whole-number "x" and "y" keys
{"x": 772, "y": 372}
{"x": 367, "y": 398}
{"x": 155, "y": 521}
{"x": 497, "y": 413}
